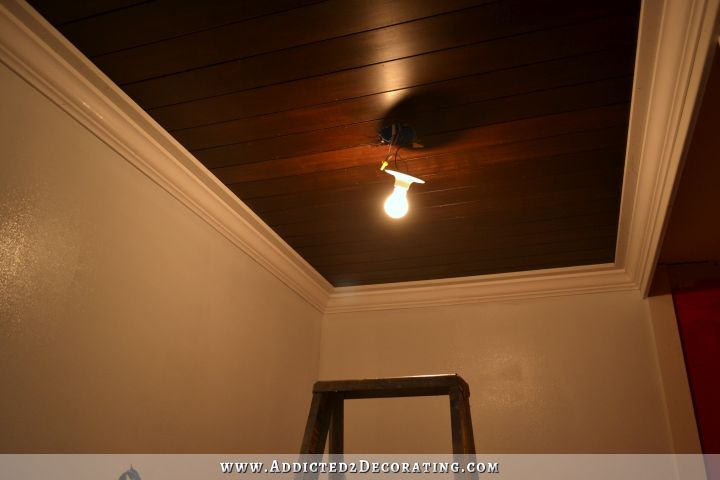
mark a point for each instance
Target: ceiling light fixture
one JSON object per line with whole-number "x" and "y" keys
{"x": 398, "y": 135}
{"x": 396, "y": 205}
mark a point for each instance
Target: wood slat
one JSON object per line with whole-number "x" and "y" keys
{"x": 483, "y": 144}
{"x": 163, "y": 22}
{"x": 322, "y": 221}
{"x": 483, "y": 187}
{"x": 461, "y": 243}
{"x": 473, "y": 59}
{"x": 546, "y": 172}
{"x": 290, "y": 29}
{"x": 318, "y": 244}
{"x": 393, "y": 257}
{"x": 361, "y": 174}
{"x": 59, "y": 13}
{"x": 494, "y": 215}
{"x": 439, "y": 256}
{"x": 481, "y": 24}
{"x": 427, "y": 124}
{"x": 368, "y": 215}
{"x": 479, "y": 267}
{"x": 410, "y": 101}
{"x": 431, "y": 205}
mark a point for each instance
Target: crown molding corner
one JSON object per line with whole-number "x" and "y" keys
{"x": 34, "y": 50}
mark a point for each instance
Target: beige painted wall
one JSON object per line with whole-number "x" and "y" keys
{"x": 127, "y": 324}
{"x": 555, "y": 375}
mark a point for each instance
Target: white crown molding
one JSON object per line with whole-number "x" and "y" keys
{"x": 39, "y": 54}
{"x": 482, "y": 288}
{"x": 675, "y": 42}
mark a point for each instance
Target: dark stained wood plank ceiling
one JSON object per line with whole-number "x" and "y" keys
{"x": 522, "y": 108}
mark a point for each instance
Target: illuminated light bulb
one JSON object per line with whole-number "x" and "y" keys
{"x": 396, "y": 205}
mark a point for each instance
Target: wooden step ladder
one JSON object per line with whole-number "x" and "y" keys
{"x": 327, "y": 408}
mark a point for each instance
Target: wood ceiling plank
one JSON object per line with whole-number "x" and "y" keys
{"x": 519, "y": 131}
{"x": 486, "y": 194}
{"x": 294, "y": 34}
{"x": 480, "y": 267}
{"x": 427, "y": 231}
{"x": 460, "y": 243}
{"x": 573, "y": 201}
{"x": 160, "y": 22}
{"x": 596, "y": 212}
{"x": 440, "y": 32}
{"x": 411, "y": 101}
{"x": 340, "y": 189}
{"x": 553, "y": 135}
{"x": 427, "y": 124}
{"x": 464, "y": 203}
{"x": 442, "y": 255}
{"x": 455, "y": 241}
{"x": 59, "y": 13}
{"x": 546, "y": 171}
{"x": 473, "y": 59}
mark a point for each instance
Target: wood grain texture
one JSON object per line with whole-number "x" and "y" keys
{"x": 65, "y": 13}
{"x": 568, "y": 71}
{"x": 521, "y": 107}
{"x": 293, "y": 33}
{"x": 170, "y": 25}
{"x": 364, "y": 49}
{"x": 406, "y": 72}
{"x": 454, "y": 119}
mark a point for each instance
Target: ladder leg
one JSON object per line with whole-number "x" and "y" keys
{"x": 462, "y": 433}
{"x": 336, "y": 446}
{"x": 466, "y": 423}
{"x": 337, "y": 440}
{"x": 318, "y": 422}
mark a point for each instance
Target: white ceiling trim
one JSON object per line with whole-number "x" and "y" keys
{"x": 481, "y": 288}
{"x": 675, "y": 43}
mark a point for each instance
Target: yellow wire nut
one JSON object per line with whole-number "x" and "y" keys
{"x": 383, "y": 165}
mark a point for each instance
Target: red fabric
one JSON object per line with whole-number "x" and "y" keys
{"x": 698, "y": 313}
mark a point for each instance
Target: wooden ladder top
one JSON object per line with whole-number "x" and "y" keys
{"x": 327, "y": 408}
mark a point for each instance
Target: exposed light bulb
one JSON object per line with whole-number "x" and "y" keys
{"x": 396, "y": 205}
